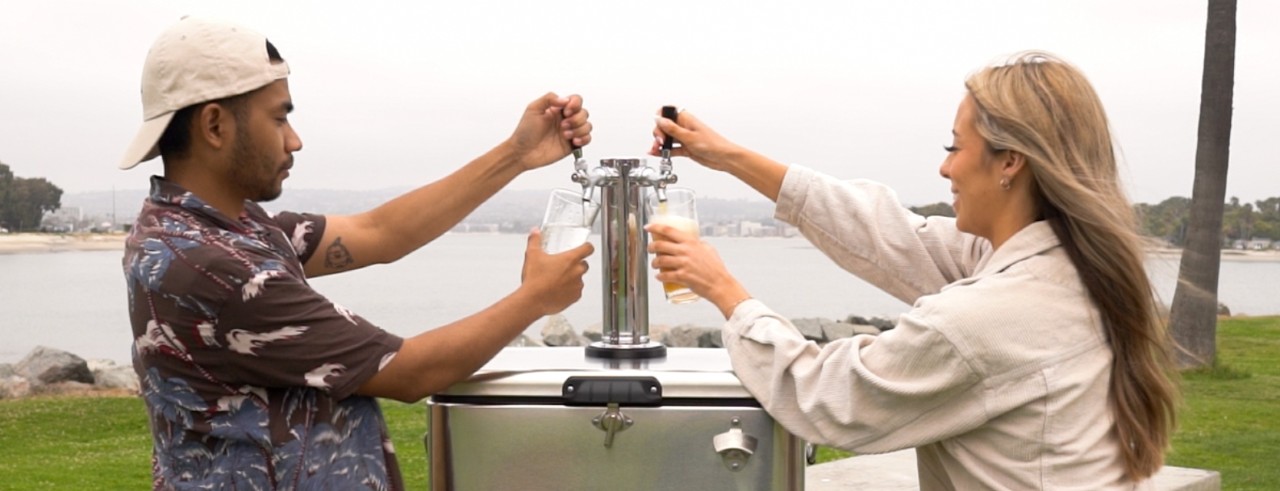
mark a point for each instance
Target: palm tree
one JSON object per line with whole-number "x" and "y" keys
{"x": 1193, "y": 315}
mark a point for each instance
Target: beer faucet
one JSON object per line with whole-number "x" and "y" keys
{"x": 665, "y": 176}
{"x": 589, "y": 178}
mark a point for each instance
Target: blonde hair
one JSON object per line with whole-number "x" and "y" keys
{"x": 1044, "y": 108}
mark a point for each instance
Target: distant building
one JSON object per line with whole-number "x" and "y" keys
{"x": 750, "y": 229}
{"x": 475, "y": 228}
{"x": 1257, "y": 244}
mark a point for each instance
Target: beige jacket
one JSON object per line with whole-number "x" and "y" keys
{"x": 998, "y": 374}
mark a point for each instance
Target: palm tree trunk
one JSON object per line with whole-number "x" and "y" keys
{"x": 1193, "y": 315}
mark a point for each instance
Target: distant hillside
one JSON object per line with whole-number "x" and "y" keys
{"x": 517, "y": 209}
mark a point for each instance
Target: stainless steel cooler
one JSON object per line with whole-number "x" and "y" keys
{"x": 556, "y": 419}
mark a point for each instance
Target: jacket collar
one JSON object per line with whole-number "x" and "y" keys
{"x": 1032, "y": 240}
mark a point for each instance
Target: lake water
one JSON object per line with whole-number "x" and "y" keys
{"x": 75, "y": 301}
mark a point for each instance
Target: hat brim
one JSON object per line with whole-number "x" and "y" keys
{"x": 144, "y": 146}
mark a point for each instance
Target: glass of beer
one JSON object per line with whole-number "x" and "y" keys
{"x": 567, "y": 221}
{"x": 678, "y": 211}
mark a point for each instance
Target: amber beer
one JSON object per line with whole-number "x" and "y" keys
{"x": 680, "y": 213}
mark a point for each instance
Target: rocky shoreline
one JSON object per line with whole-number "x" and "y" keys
{"x": 50, "y": 372}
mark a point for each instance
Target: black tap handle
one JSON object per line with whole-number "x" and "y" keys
{"x": 668, "y": 112}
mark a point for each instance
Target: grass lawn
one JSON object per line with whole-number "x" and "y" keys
{"x": 1229, "y": 423}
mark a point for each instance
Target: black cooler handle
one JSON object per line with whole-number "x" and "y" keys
{"x": 596, "y": 391}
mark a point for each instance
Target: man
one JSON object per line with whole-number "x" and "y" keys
{"x": 252, "y": 379}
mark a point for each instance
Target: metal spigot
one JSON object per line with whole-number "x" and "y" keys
{"x": 581, "y": 174}
{"x": 589, "y": 178}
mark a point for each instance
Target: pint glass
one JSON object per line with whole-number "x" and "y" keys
{"x": 678, "y": 211}
{"x": 567, "y": 222}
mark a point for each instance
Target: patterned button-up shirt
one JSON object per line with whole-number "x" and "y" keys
{"x": 249, "y": 375}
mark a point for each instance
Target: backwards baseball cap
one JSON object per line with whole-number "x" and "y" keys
{"x": 197, "y": 60}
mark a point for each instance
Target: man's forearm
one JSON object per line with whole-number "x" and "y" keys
{"x": 415, "y": 218}
{"x": 434, "y": 360}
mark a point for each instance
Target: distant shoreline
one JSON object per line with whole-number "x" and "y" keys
{"x": 1232, "y": 255}
{"x": 29, "y": 243}
{"x": 47, "y": 243}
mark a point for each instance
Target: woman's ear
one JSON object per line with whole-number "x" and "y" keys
{"x": 1012, "y": 163}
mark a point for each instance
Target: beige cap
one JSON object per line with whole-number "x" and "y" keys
{"x": 197, "y": 60}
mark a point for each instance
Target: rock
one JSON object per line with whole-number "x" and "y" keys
{"x": 837, "y": 330}
{"x": 881, "y": 323}
{"x": 13, "y": 387}
{"x": 44, "y": 366}
{"x": 558, "y": 332}
{"x": 683, "y": 336}
{"x": 711, "y": 338}
{"x": 102, "y": 364}
{"x": 857, "y": 319}
{"x": 659, "y": 332}
{"x": 811, "y": 328}
{"x": 524, "y": 340}
{"x": 865, "y": 329}
{"x": 116, "y": 377}
{"x": 594, "y": 333}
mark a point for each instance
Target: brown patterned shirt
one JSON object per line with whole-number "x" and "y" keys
{"x": 249, "y": 375}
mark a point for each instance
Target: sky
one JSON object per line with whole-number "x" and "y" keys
{"x": 395, "y": 94}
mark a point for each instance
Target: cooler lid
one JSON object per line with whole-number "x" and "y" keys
{"x": 685, "y": 373}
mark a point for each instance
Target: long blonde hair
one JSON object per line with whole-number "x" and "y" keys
{"x": 1044, "y": 108}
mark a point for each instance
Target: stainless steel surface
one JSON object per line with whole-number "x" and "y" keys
{"x": 624, "y": 251}
{"x": 540, "y": 372}
{"x": 507, "y": 427}
{"x": 625, "y": 258}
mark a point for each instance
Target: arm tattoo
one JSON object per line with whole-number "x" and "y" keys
{"x": 337, "y": 256}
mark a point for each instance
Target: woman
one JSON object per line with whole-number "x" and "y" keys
{"x": 1032, "y": 356}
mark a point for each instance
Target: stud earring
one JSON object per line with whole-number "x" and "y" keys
{"x": 1004, "y": 183}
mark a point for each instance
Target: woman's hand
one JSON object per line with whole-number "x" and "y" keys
{"x": 699, "y": 142}
{"x": 684, "y": 258}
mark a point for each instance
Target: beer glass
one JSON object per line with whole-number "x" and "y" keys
{"x": 678, "y": 211}
{"x": 567, "y": 221}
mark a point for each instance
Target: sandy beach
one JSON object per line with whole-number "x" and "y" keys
{"x": 36, "y": 243}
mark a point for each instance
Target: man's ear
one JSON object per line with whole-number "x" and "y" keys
{"x": 214, "y": 125}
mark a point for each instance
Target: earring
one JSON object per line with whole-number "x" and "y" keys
{"x": 1004, "y": 183}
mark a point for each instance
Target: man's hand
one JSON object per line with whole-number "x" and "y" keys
{"x": 549, "y": 129}
{"x": 554, "y": 281}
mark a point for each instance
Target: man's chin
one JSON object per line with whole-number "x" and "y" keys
{"x": 269, "y": 196}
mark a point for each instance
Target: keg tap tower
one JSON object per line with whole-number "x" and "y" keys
{"x": 624, "y": 244}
